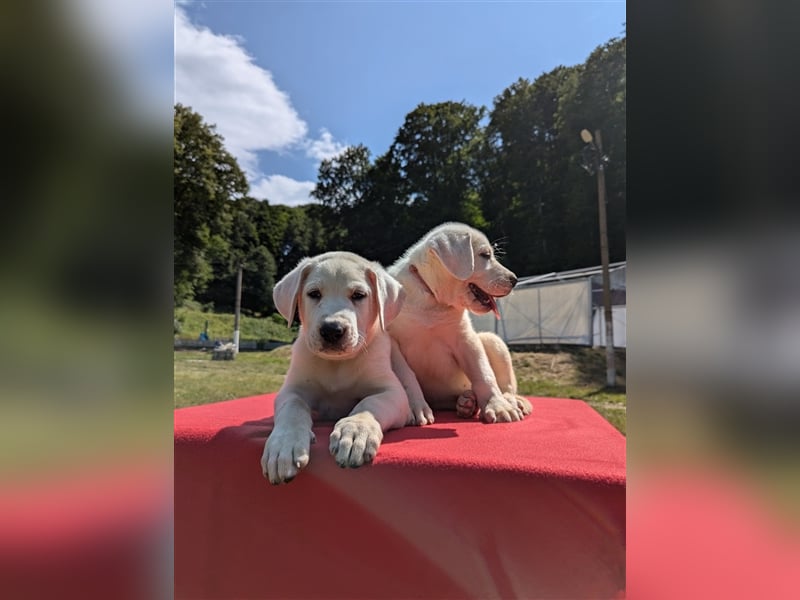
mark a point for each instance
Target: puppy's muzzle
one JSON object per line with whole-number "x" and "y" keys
{"x": 503, "y": 285}
{"x": 332, "y": 332}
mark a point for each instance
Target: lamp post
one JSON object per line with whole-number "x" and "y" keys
{"x": 594, "y": 161}
{"x": 237, "y": 309}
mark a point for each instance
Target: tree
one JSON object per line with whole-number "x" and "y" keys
{"x": 244, "y": 248}
{"x": 436, "y": 154}
{"x": 343, "y": 185}
{"x": 534, "y": 192}
{"x": 362, "y": 209}
{"x": 302, "y": 236}
{"x": 206, "y": 180}
{"x": 522, "y": 184}
{"x": 343, "y": 181}
{"x": 597, "y": 100}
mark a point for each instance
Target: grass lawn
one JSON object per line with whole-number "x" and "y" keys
{"x": 200, "y": 380}
{"x": 574, "y": 373}
{"x": 220, "y": 326}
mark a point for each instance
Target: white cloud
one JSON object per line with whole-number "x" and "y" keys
{"x": 325, "y": 147}
{"x": 279, "y": 189}
{"x": 217, "y": 78}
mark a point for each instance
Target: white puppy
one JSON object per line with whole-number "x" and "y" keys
{"x": 341, "y": 364}
{"x": 450, "y": 271}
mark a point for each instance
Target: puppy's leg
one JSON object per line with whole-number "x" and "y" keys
{"x": 356, "y": 438}
{"x": 287, "y": 448}
{"x": 500, "y": 360}
{"x": 420, "y": 412}
{"x": 494, "y": 405}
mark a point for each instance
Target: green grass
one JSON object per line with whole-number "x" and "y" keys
{"x": 577, "y": 374}
{"x": 220, "y": 326}
{"x": 200, "y": 380}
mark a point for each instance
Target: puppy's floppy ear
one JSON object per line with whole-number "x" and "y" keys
{"x": 284, "y": 294}
{"x": 388, "y": 292}
{"x": 454, "y": 250}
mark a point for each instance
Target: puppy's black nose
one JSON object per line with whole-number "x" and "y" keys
{"x": 332, "y": 331}
{"x": 513, "y": 279}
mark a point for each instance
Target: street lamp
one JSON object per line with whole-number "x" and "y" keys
{"x": 594, "y": 161}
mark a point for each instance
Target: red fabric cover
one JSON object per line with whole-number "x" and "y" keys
{"x": 458, "y": 509}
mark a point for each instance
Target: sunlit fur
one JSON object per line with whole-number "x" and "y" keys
{"x": 453, "y": 364}
{"x": 346, "y": 378}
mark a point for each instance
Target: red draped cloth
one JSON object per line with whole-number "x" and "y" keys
{"x": 458, "y": 509}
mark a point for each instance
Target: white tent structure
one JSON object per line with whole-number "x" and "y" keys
{"x": 560, "y": 308}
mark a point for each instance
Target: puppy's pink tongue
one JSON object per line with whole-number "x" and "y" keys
{"x": 494, "y": 308}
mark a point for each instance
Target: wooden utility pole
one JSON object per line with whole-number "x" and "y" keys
{"x": 237, "y": 309}
{"x": 611, "y": 373}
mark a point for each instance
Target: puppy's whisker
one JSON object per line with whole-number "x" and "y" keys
{"x": 361, "y": 343}
{"x": 498, "y": 244}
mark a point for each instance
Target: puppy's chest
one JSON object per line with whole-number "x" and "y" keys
{"x": 338, "y": 383}
{"x": 334, "y": 395}
{"x": 431, "y": 355}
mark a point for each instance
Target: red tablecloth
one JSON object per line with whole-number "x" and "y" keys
{"x": 458, "y": 509}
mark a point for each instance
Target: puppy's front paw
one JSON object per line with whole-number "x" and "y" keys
{"x": 500, "y": 409}
{"x": 285, "y": 453}
{"x": 355, "y": 440}
{"x": 421, "y": 413}
{"x": 523, "y": 404}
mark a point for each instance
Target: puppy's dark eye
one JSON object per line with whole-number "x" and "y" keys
{"x": 486, "y": 254}
{"x": 358, "y": 295}
{"x": 315, "y": 294}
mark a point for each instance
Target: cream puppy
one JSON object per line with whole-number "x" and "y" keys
{"x": 450, "y": 271}
{"x": 341, "y": 364}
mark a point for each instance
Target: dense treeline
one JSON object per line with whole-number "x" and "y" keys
{"x": 513, "y": 171}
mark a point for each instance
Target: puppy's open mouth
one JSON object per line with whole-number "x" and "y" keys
{"x": 484, "y": 299}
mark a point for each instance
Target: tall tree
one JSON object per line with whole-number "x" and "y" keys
{"x": 303, "y": 236}
{"x": 525, "y": 168}
{"x": 388, "y": 227}
{"x": 363, "y": 211}
{"x": 597, "y": 100}
{"x": 206, "y": 180}
{"x": 244, "y": 249}
{"x": 343, "y": 184}
{"x": 343, "y": 181}
{"x": 436, "y": 153}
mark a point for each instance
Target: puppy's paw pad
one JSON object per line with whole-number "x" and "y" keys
{"x": 467, "y": 405}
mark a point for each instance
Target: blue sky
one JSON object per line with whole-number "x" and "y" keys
{"x": 290, "y": 83}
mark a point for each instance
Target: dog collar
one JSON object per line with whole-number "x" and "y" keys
{"x": 416, "y": 274}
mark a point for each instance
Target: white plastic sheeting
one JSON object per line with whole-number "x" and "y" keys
{"x": 553, "y": 313}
